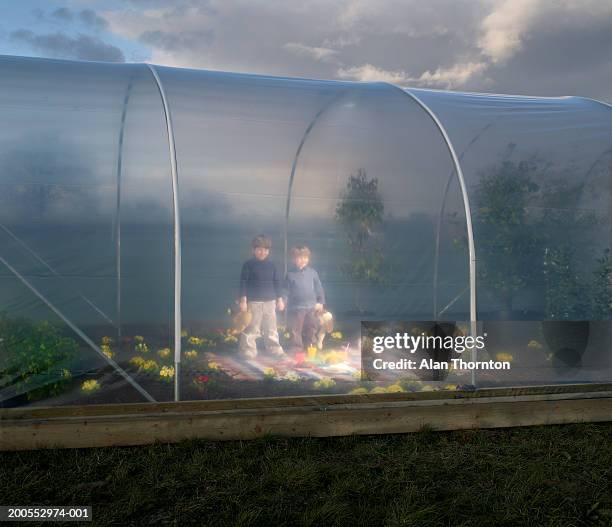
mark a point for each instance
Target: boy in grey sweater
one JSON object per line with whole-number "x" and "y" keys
{"x": 305, "y": 298}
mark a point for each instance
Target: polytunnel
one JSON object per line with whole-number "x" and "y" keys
{"x": 131, "y": 193}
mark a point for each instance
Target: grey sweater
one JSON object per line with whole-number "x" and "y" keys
{"x": 303, "y": 289}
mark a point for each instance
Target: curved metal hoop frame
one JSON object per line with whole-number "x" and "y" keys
{"x": 177, "y": 234}
{"x": 468, "y": 212}
{"x": 466, "y": 199}
{"x": 296, "y": 158}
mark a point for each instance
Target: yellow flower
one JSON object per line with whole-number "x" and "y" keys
{"x": 230, "y": 338}
{"x": 379, "y": 389}
{"x": 137, "y": 361}
{"x": 107, "y": 340}
{"x": 66, "y": 374}
{"x": 142, "y": 347}
{"x": 450, "y": 387}
{"x": 191, "y": 354}
{"x": 90, "y": 386}
{"x": 269, "y": 372}
{"x": 427, "y": 388}
{"x": 358, "y": 391}
{"x": 106, "y": 350}
{"x": 336, "y": 335}
{"x": 334, "y": 357}
{"x": 394, "y": 388}
{"x": 212, "y": 365}
{"x": 183, "y": 333}
{"x": 292, "y": 377}
{"x": 167, "y": 372}
{"x": 195, "y": 341}
{"x": 149, "y": 365}
{"x": 356, "y": 374}
{"x": 324, "y": 383}
{"x": 164, "y": 352}
{"x": 504, "y": 357}
{"x": 139, "y": 338}
{"x": 534, "y": 344}
{"x": 287, "y": 335}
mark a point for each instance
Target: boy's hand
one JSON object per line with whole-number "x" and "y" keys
{"x": 243, "y": 304}
{"x": 318, "y": 307}
{"x": 280, "y": 304}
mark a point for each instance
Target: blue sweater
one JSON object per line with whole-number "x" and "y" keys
{"x": 259, "y": 281}
{"x": 303, "y": 288}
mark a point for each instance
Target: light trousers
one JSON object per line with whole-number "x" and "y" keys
{"x": 263, "y": 324}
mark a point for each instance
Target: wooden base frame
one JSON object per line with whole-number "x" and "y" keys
{"x": 331, "y": 415}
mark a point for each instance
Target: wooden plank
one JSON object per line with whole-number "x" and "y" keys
{"x": 293, "y": 401}
{"x": 363, "y": 417}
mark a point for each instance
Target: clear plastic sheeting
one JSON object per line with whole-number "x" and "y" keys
{"x": 539, "y": 177}
{"x": 375, "y": 180}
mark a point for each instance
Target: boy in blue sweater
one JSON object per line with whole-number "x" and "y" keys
{"x": 260, "y": 293}
{"x": 305, "y": 298}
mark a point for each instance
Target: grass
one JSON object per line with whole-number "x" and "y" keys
{"x": 539, "y": 476}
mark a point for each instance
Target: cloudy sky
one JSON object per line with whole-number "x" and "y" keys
{"x": 537, "y": 47}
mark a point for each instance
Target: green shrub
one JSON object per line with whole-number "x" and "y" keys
{"x": 34, "y": 357}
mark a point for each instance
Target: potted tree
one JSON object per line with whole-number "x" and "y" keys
{"x": 508, "y": 239}
{"x": 508, "y": 246}
{"x": 360, "y": 214}
{"x": 572, "y": 302}
{"x": 566, "y": 328}
{"x": 572, "y": 298}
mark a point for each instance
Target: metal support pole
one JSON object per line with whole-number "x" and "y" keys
{"x": 440, "y": 217}
{"x": 177, "y": 234}
{"x": 468, "y": 213}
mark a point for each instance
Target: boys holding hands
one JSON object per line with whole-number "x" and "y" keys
{"x": 260, "y": 293}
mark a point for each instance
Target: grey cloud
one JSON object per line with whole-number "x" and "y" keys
{"x": 563, "y": 47}
{"x": 177, "y": 42}
{"x": 86, "y": 17}
{"x": 60, "y": 45}
{"x": 91, "y": 19}
{"x": 63, "y": 13}
{"x": 38, "y": 13}
{"x": 561, "y": 55}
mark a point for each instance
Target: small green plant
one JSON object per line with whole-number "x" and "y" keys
{"x": 36, "y": 357}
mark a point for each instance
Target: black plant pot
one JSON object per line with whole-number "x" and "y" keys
{"x": 567, "y": 340}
